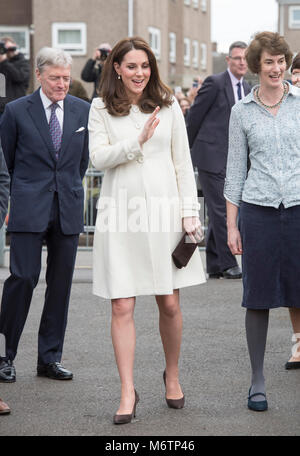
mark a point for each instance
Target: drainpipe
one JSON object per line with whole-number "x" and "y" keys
{"x": 130, "y": 17}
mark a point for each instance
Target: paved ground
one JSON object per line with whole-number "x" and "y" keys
{"x": 214, "y": 370}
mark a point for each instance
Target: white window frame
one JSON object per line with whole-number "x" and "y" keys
{"x": 172, "y": 47}
{"x": 187, "y": 2}
{"x": 203, "y": 6}
{"x": 292, "y": 23}
{"x": 187, "y": 52}
{"x": 203, "y": 56}
{"x": 9, "y": 30}
{"x": 195, "y": 4}
{"x": 72, "y": 48}
{"x": 195, "y": 58}
{"x": 155, "y": 41}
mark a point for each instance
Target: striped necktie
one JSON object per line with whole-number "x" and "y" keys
{"x": 55, "y": 130}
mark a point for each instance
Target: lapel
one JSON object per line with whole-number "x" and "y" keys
{"x": 70, "y": 117}
{"x": 37, "y": 113}
{"x": 247, "y": 88}
{"x": 229, "y": 90}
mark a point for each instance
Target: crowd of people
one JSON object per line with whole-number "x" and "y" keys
{"x": 245, "y": 144}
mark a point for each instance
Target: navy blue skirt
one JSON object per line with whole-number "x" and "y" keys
{"x": 271, "y": 256}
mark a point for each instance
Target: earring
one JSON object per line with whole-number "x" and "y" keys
{"x": 119, "y": 76}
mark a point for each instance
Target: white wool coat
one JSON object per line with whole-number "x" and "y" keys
{"x": 144, "y": 195}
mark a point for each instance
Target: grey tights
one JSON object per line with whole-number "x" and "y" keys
{"x": 257, "y": 322}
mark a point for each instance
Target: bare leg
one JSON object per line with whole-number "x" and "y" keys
{"x": 170, "y": 326}
{"x": 123, "y": 339}
{"x": 295, "y": 319}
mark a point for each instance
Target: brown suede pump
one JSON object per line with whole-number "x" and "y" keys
{"x": 124, "y": 419}
{"x": 173, "y": 403}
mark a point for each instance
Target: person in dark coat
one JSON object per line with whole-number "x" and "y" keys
{"x": 4, "y": 195}
{"x": 207, "y": 126}
{"x": 45, "y": 143}
{"x": 16, "y": 70}
{"x": 93, "y": 68}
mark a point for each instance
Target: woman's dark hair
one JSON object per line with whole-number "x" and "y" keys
{"x": 271, "y": 42}
{"x": 296, "y": 63}
{"x": 112, "y": 89}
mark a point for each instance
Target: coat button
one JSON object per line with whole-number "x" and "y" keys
{"x": 138, "y": 126}
{"x": 130, "y": 156}
{"x": 141, "y": 160}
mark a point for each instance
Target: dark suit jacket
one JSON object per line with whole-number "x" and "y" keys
{"x": 35, "y": 173}
{"x": 208, "y": 122}
{"x": 4, "y": 187}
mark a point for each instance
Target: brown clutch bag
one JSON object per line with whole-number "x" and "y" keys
{"x": 183, "y": 251}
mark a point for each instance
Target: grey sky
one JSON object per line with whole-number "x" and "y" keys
{"x": 234, "y": 20}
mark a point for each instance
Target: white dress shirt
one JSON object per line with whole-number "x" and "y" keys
{"x": 234, "y": 82}
{"x": 47, "y": 106}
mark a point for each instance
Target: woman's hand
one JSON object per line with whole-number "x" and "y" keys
{"x": 149, "y": 127}
{"x": 234, "y": 241}
{"x": 192, "y": 226}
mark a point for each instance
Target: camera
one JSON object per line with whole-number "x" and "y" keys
{"x": 5, "y": 50}
{"x": 104, "y": 54}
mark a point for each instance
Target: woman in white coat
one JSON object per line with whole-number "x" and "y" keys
{"x": 148, "y": 198}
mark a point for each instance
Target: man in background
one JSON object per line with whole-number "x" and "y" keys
{"x": 16, "y": 70}
{"x": 207, "y": 126}
{"x": 93, "y": 68}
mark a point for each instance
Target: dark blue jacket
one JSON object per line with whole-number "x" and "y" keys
{"x": 34, "y": 171}
{"x": 208, "y": 122}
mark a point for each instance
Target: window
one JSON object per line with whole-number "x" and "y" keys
{"x": 203, "y": 56}
{"x": 204, "y": 6}
{"x": 187, "y": 52}
{"x": 195, "y": 47}
{"x": 187, "y": 2}
{"x": 20, "y": 35}
{"x": 70, "y": 37}
{"x": 155, "y": 41}
{"x": 294, "y": 17}
{"x": 196, "y": 4}
{"x": 172, "y": 45}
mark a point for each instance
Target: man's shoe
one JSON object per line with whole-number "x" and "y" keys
{"x": 233, "y": 273}
{"x": 215, "y": 275}
{"x": 55, "y": 371}
{"x": 7, "y": 372}
{"x": 4, "y": 409}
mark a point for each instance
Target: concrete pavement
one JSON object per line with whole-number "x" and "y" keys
{"x": 215, "y": 372}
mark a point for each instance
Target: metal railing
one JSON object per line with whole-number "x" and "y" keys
{"x": 92, "y": 185}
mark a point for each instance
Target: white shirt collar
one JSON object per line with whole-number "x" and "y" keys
{"x": 47, "y": 103}
{"x": 234, "y": 80}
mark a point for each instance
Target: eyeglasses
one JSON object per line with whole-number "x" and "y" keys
{"x": 238, "y": 59}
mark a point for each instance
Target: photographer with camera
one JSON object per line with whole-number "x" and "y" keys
{"x": 16, "y": 70}
{"x": 93, "y": 67}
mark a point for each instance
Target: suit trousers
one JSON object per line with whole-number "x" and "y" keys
{"x": 218, "y": 255}
{"x": 25, "y": 267}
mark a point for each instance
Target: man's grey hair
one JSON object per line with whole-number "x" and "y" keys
{"x": 48, "y": 56}
{"x": 237, "y": 44}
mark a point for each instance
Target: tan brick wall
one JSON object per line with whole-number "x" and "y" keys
{"x": 107, "y": 21}
{"x": 291, "y": 35}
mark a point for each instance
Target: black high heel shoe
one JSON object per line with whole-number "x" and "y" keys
{"x": 124, "y": 419}
{"x": 173, "y": 403}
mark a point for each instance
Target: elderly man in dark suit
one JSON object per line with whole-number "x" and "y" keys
{"x": 207, "y": 125}
{"x": 4, "y": 194}
{"x": 45, "y": 144}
